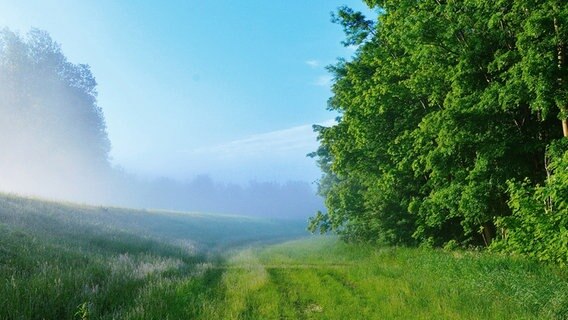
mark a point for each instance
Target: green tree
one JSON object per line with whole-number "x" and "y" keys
{"x": 443, "y": 103}
{"x": 538, "y": 226}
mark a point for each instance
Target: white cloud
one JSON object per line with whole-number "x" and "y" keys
{"x": 278, "y": 155}
{"x": 292, "y": 141}
{"x": 296, "y": 139}
{"x": 323, "y": 81}
{"x": 313, "y": 63}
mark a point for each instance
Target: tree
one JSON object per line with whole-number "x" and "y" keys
{"x": 53, "y": 132}
{"x": 442, "y": 105}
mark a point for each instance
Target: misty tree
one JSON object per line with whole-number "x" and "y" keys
{"x": 51, "y": 124}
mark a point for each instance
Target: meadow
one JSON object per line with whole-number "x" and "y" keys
{"x": 324, "y": 278}
{"x": 66, "y": 261}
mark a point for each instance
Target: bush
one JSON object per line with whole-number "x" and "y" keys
{"x": 538, "y": 226}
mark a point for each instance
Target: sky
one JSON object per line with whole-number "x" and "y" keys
{"x": 224, "y": 88}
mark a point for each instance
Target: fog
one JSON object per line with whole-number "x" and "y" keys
{"x": 54, "y": 144}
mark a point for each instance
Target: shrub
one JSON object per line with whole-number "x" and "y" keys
{"x": 538, "y": 226}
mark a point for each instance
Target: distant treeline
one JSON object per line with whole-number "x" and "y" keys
{"x": 290, "y": 200}
{"x": 450, "y": 129}
{"x": 54, "y": 144}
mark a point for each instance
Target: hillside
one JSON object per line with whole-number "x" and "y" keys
{"x": 65, "y": 261}
{"x": 60, "y": 258}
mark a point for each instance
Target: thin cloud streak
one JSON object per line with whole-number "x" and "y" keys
{"x": 295, "y": 139}
{"x": 276, "y": 156}
{"x": 313, "y": 63}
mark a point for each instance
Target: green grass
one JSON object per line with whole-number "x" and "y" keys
{"x": 63, "y": 261}
{"x": 327, "y": 279}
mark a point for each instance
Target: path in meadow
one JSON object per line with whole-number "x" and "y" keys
{"x": 325, "y": 279}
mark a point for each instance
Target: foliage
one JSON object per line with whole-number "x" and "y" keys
{"x": 442, "y": 104}
{"x": 48, "y": 99}
{"x": 53, "y": 134}
{"x": 539, "y": 224}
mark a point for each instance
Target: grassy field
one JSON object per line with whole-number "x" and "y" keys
{"x": 63, "y": 261}
{"x": 323, "y": 278}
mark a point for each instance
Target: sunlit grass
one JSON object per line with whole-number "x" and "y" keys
{"x": 65, "y": 261}
{"x": 73, "y": 262}
{"x": 327, "y": 279}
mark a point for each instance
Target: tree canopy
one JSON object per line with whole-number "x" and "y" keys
{"x": 53, "y": 132}
{"x": 446, "y": 112}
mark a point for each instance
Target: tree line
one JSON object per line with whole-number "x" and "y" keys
{"x": 452, "y": 127}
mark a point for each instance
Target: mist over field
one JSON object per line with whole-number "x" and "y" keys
{"x": 192, "y": 169}
{"x": 55, "y": 145}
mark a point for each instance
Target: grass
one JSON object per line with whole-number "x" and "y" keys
{"x": 63, "y": 261}
{"x": 327, "y": 279}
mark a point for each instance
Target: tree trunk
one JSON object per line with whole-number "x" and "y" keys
{"x": 565, "y": 127}
{"x": 487, "y": 234}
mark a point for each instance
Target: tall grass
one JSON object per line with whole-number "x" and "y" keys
{"x": 65, "y": 261}
{"x": 327, "y": 279}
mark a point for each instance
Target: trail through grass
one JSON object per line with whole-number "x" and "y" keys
{"x": 66, "y": 261}
{"x": 63, "y": 261}
{"x": 326, "y": 279}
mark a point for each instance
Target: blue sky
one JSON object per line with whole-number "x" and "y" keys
{"x": 225, "y": 88}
